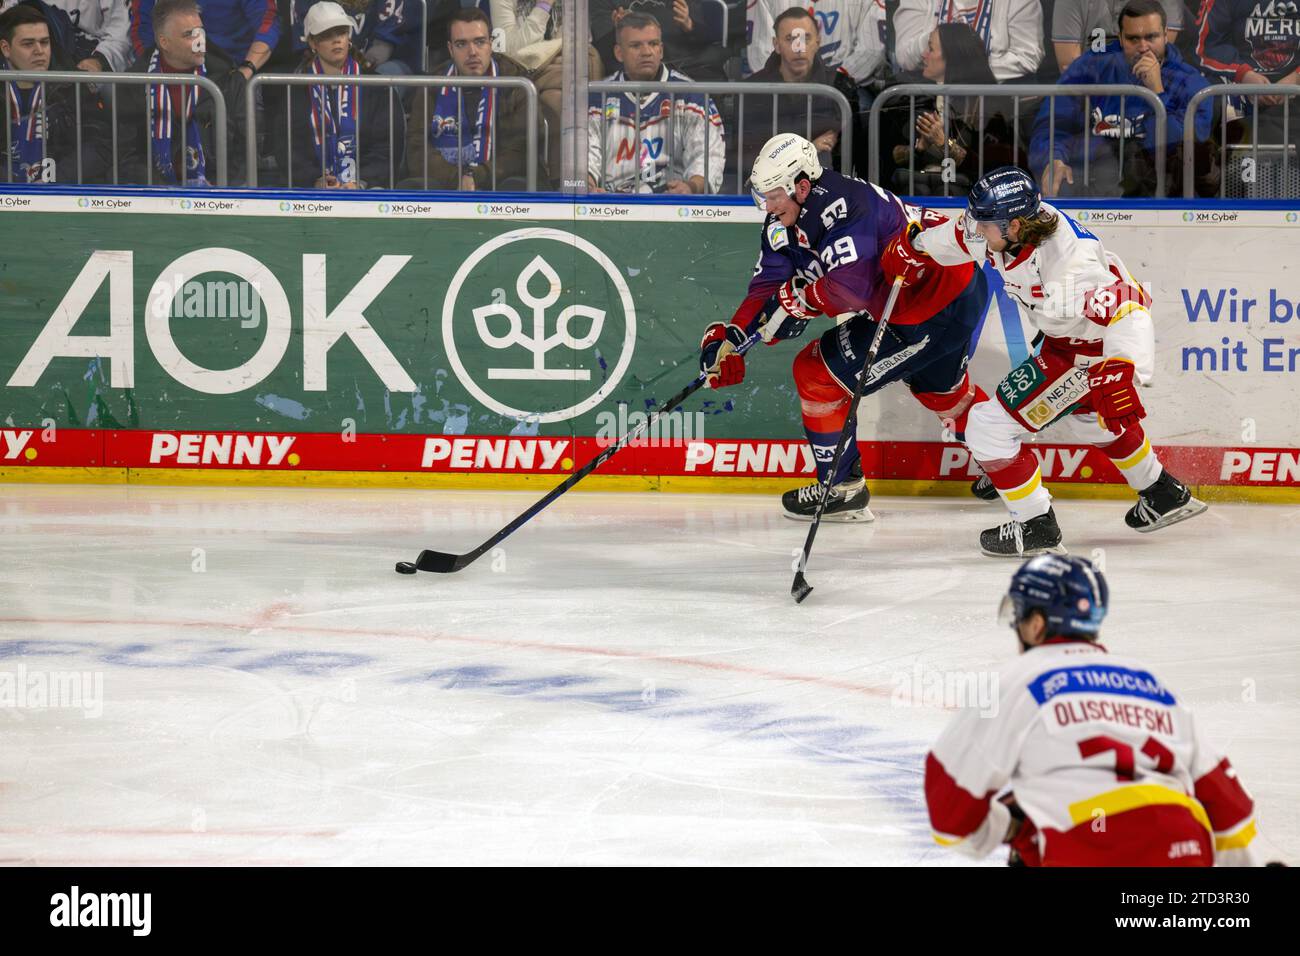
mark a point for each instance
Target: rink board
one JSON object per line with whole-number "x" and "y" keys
{"x": 227, "y": 337}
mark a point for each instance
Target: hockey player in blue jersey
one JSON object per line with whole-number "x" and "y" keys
{"x": 829, "y": 246}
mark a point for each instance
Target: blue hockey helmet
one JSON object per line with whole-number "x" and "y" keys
{"x": 1000, "y": 196}
{"x": 1070, "y": 592}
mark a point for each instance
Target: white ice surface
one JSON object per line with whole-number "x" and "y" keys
{"x": 628, "y": 681}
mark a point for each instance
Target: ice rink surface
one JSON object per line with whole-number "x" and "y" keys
{"x": 626, "y": 681}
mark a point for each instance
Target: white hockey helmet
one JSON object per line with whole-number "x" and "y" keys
{"x": 780, "y": 163}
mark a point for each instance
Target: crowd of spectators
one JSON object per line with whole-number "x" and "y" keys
{"x": 465, "y": 137}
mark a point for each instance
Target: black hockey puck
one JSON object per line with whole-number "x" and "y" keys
{"x": 405, "y": 567}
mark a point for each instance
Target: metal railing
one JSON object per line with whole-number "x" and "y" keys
{"x": 391, "y": 83}
{"x": 740, "y": 90}
{"x": 1234, "y": 89}
{"x": 123, "y": 79}
{"x": 1016, "y": 92}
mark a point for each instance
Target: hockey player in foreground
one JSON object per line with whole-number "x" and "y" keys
{"x": 1098, "y": 345}
{"x": 821, "y": 250}
{"x": 1105, "y": 766}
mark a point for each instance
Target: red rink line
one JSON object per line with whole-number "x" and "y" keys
{"x": 698, "y": 663}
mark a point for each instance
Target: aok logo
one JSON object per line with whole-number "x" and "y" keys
{"x": 499, "y": 313}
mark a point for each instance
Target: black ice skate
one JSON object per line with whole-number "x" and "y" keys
{"x": 1164, "y": 502}
{"x": 1023, "y": 539}
{"x": 983, "y": 489}
{"x": 847, "y": 502}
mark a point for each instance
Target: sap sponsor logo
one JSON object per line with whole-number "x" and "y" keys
{"x": 221, "y": 449}
{"x": 738, "y": 458}
{"x": 956, "y": 461}
{"x": 704, "y": 212}
{"x": 1273, "y": 466}
{"x": 505, "y": 454}
{"x": 15, "y": 202}
{"x": 1206, "y": 217}
{"x": 13, "y": 444}
{"x": 74, "y": 908}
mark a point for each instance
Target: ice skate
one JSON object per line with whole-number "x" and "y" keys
{"x": 1017, "y": 539}
{"x": 1166, "y": 501}
{"x": 847, "y": 502}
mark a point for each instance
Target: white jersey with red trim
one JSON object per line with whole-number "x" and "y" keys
{"x": 1081, "y": 735}
{"x": 1068, "y": 287}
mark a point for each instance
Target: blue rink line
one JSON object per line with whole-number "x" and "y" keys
{"x": 889, "y": 767}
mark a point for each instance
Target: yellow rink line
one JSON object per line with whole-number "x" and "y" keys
{"x": 486, "y": 481}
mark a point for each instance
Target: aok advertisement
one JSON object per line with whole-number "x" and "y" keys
{"x": 497, "y": 344}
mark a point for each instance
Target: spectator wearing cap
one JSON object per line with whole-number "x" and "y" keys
{"x": 150, "y": 126}
{"x": 245, "y": 31}
{"x": 336, "y": 136}
{"x": 42, "y": 137}
{"x": 470, "y": 138}
{"x": 386, "y": 34}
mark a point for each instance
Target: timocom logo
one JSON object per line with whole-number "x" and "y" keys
{"x": 170, "y": 448}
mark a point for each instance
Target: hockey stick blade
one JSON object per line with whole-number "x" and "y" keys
{"x": 801, "y": 588}
{"x": 439, "y": 562}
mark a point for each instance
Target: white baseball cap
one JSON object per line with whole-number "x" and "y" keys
{"x": 325, "y": 16}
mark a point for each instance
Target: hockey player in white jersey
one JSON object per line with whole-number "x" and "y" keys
{"x": 1098, "y": 345}
{"x": 1104, "y": 765}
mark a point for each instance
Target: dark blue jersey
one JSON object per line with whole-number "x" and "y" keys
{"x": 836, "y": 244}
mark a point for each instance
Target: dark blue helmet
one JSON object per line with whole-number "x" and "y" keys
{"x": 1070, "y": 591}
{"x": 1004, "y": 194}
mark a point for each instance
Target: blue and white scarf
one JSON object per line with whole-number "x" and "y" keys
{"x": 335, "y": 118}
{"x": 978, "y": 18}
{"x": 160, "y": 103}
{"x": 447, "y": 128}
{"x": 27, "y": 133}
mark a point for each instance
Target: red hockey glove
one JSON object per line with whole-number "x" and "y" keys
{"x": 787, "y": 312}
{"x": 902, "y": 259}
{"x": 1114, "y": 395}
{"x": 719, "y": 359}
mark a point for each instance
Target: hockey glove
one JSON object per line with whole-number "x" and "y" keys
{"x": 1114, "y": 395}
{"x": 719, "y": 359}
{"x": 901, "y": 259}
{"x": 786, "y": 314}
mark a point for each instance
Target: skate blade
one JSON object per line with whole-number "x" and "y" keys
{"x": 1054, "y": 549}
{"x": 843, "y": 516}
{"x": 1190, "y": 510}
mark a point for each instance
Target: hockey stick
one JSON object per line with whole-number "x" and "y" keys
{"x": 800, "y": 589}
{"x": 440, "y": 562}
